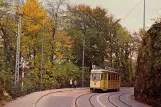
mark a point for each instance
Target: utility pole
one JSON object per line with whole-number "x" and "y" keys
{"x": 144, "y": 16}
{"x": 83, "y": 36}
{"x": 42, "y": 54}
{"x": 23, "y": 74}
{"x": 18, "y": 43}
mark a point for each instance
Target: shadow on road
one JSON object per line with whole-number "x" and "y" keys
{"x": 100, "y": 91}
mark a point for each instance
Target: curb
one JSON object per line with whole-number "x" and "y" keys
{"x": 34, "y": 105}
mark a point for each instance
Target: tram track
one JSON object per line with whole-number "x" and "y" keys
{"x": 35, "y": 103}
{"x": 111, "y": 101}
{"x": 114, "y": 104}
{"x": 89, "y": 99}
{"x": 119, "y": 98}
{"x": 123, "y": 101}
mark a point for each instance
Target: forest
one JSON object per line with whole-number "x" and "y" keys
{"x": 60, "y": 29}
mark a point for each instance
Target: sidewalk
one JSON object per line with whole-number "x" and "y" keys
{"x": 29, "y": 100}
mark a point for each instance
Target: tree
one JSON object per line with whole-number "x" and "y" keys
{"x": 34, "y": 22}
{"x": 63, "y": 44}
{"x": 147, "y": 84}
{"x": 56, "y": 13}
{"x": 4, "y": 8}
{"x": 90, "y": 23}
{"x": 34, "y": 17}
{"x": 107, "y": 43}
{"x": 7, "y": 35}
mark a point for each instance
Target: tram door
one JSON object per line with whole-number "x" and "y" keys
{"x": 105, "y": 83}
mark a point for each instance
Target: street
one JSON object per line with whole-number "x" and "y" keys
{"x": 84, "y": 98}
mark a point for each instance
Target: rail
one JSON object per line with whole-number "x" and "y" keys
{"x": 89, "y": 99}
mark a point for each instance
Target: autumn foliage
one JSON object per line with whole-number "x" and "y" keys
{"x": 52, "y": 42}
{"x": 34, "y": 16}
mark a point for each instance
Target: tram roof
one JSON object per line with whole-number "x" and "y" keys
{"x": 102, "y": 70}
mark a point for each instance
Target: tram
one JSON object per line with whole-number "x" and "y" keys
{"x": 104, "y": 79}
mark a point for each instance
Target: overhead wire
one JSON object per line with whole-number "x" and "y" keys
{"x": 90, "y": 5}
{"x": 69, "y": 1}
{"x": 131, "y": 10}
{"x": 157, "y": 13}
{"x": 92, "y": 2}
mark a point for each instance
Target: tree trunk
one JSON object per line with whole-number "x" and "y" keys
{"x": 53, "y": 36}
{"x": 111, "y": 50}
{"x": 34, "y": 57}
{"x": 1, "y": 88}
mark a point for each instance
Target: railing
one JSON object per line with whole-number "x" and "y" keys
{"x": 17, "y": 91}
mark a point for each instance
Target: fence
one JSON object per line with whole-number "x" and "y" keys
{"x": 16, "y": 91}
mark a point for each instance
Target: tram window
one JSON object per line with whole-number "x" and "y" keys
{"x": 104, "y": 76}
{"x": 109, "y": 77}
{"x": 96, "y": 76}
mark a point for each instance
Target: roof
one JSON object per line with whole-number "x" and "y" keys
{"x": 102, "y": 70}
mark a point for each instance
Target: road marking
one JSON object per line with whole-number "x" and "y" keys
{"x": 99, "y": 100}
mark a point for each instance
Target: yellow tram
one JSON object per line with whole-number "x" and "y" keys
{"x": 104, "y": 79}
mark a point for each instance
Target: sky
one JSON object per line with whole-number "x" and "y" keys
{"x": 120, "y": 8}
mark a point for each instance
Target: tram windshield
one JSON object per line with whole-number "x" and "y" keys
{"x": 96, "y": 76}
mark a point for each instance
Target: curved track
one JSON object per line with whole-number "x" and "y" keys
{"x": 110, "y": 100}
{"x": 34, "y": 105}
{"x": 123, "y": 101}
{"x": 89, "y": 99}
{"x": 119, "y": 100}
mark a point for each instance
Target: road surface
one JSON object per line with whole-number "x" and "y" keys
{"x": 84, "y": 98}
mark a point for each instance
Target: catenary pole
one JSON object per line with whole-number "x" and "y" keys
{"x": 42, "y": 53}
{"x": 83, "y": 36}
{"x": 23, "y": 74}
{"x": 18, "y": 43}
{"x": 144, "y": 15}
